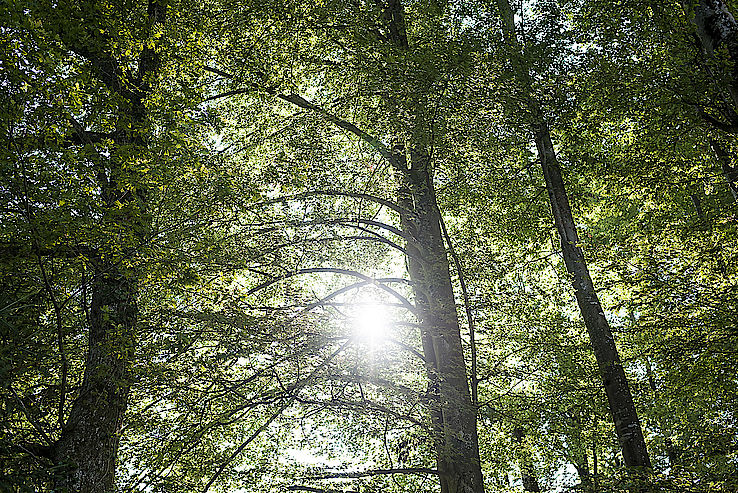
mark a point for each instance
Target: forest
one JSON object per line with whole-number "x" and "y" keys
{"x": 368, "y": 246}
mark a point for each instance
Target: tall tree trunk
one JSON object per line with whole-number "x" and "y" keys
{"x": 89, "y": 442}
{"x": 622, "y": 408}
{"x": 87, "y": 449}
{"x": 453, "y": 414}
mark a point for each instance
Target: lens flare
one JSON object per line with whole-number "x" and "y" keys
{"x": 371, "y": 322}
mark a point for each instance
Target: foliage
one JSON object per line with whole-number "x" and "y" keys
{"x": 258, "y": 231}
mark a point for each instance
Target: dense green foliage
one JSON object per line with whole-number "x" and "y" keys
{"x": 226, "y": 160}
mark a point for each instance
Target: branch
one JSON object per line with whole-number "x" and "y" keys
{"x": 395, "y": 160}
{"x": 374, "y": 237}
{"x": 726, "y": 127}
{"x": 317, "y": 490}
{"x": 324, "y": 301}
{"x": 374, "y": 142}
{"x": 366, "y": 406}
{"x": 379, "y": 472}
{"x": 336, "y": 193}
{"x": 288, "y": 402}
{"x": 277, "y": 225}
{"x": 335, "y": 270}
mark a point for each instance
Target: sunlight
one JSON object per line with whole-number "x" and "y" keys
{"x": 371, "y": 322}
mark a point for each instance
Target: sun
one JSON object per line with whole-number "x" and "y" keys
{"x": 371, "y": 322}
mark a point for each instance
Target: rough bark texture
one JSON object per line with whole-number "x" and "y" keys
{"x": 622, "y": 408}
{"x": 452, "y": 412}
{"x": 89, "y": 442}
{"x": 86, "y": 451}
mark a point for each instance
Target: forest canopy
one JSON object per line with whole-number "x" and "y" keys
{"x": 368, "y": 245}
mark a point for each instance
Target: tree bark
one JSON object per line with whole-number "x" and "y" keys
{"x": 622, "y": 408}
{"x": 89, "y": 441}
{"x": 452, "y": 412}
{"x": 86, "y": 451}
{"x": 718, "y": 29}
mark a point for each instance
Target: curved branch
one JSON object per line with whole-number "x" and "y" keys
{"x": 394, "y": 159}
{"x": 273, "y": 225}
{"x": 296, "y": 387}
{"x": 379, "y": 472}
{"x": 335, "y": 193}
{"x": 346, "y": 272}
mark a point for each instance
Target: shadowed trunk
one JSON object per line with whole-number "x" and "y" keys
{"x": 717, "y": 30}
{"x": 620, "y": 400}
{"x": 88, "y": 445}
{"x": 85, "y": 453}
{"x": 622, "y": 408}
{"x": 452, "y": 412}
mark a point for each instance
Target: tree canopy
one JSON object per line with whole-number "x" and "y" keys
{"x": 368, "y": 245}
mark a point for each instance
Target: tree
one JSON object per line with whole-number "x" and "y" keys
{"x": 620, "y": 400}
{"x": 410, "y": 157}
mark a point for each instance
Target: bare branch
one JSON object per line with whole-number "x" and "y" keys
{"x": 317, "y": 490}
{"x": 336, "y": 193}
{"x": 379, "y": 472}
{"x": 395, "y": 160}
{"x": 296, "y": 387}
{"x": 335, "y": 270}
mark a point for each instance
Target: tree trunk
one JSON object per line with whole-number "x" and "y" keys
{"x": 579, "y": 456}
{"x": 87, "y": 449}
{"x": 89, "y": 442}
{"x": 622, "y": 408}
{"x": 453, "y": 414}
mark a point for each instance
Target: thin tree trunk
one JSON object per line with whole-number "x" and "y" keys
{"x": 622, "y": 408}
{"x": 579, "y": 456}
{"x": 671, "y": 451}
{"x": 595, "y": 473}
